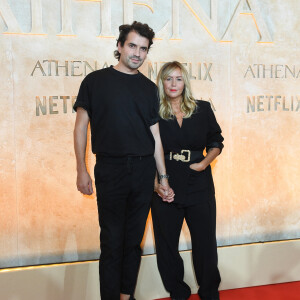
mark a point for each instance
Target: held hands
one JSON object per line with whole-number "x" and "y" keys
{"x": 164, "y": 191}
{"x": 84, "y": 183}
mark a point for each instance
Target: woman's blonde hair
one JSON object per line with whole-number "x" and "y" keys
{"x": 188, "y": 103}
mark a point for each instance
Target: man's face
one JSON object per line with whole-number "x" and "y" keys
{"x": 134, "y": 51}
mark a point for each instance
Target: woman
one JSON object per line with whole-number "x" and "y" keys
{"x": 187, "y": 127}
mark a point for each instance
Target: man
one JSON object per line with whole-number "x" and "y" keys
{"x": 121, "y": 105}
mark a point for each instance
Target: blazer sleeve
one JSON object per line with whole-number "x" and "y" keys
{"x": 214, "y": 137}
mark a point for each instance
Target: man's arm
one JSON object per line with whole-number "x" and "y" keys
{"x": 159, "y": 155}
{"x": 84, "y": 181}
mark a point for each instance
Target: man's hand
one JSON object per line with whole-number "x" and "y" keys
{"x": 84, "y": 183}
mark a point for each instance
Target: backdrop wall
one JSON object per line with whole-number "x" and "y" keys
{"x": 242, "y": 55}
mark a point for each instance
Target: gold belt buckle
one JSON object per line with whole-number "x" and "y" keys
{"x": 175, "y": 156}
{"x": 178, "y": 157}
{"x": 181, "y": 156}
{"x": 189, "y": 155}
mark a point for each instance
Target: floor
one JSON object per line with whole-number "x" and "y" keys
{"x": 282, "y": 291}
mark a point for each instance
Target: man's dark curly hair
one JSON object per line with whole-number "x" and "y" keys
{"x": 142, "y": 29}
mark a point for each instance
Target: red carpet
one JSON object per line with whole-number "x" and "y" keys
{"x": 282, "y": 291}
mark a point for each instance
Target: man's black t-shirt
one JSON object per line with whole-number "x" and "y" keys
{"x": 121, "y": 108}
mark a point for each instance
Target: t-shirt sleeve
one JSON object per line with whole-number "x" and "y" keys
{"x": 83, "y": 98}
{"x": 214, "y": 136}
{"x": 155, "y": 109}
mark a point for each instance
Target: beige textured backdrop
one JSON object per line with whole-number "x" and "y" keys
{"x": 243, "y": 56}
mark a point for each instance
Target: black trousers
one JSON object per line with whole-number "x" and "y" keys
{"x": 124, "y": 189}
{"x": 201, "y": 220}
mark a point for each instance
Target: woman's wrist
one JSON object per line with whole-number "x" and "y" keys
{"x": 202, "y": 165}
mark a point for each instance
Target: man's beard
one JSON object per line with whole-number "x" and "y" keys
{"x": 132, "y": 65}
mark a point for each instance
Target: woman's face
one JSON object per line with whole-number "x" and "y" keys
{"x": 174, "y": 85}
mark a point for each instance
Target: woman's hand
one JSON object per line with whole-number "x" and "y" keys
{"x": 201, "y": 166}
{"x": 166, "y": 193}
